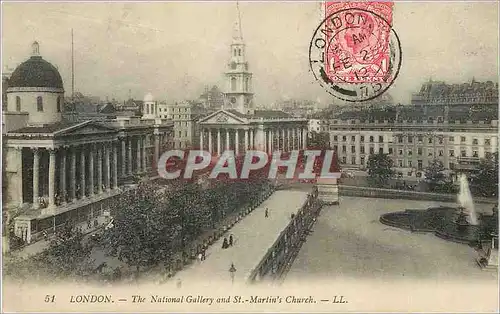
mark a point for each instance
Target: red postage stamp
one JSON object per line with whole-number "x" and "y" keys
{"x": 357, "y": 39}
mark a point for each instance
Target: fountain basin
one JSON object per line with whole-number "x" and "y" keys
{"x": 445, "y": 222}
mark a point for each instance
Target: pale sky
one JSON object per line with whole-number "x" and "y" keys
{"x": 174, "y": 49}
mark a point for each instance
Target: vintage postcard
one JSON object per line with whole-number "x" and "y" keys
{"x": 305, "y": 157}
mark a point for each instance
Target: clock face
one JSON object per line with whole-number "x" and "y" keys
{"x": 233, "y": 100}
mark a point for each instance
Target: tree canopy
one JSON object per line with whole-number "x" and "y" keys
{"x": 380, "y": 169}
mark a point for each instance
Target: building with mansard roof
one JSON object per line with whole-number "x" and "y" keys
{"x": 56, "y": 169}
{"x": 238, "y": 125}
{"x": 458, "y": 132}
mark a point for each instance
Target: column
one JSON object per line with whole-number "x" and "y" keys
{"x": 218, "y": 142}
{"x": 62, "y": 175}
{"x": 227, "y": 139}
{"x": 73, "y": 174}
{"x": 237, "y": 141}
{"x": 282, "y": 146}
{"x": 108, "y": 166}
{"x": 82, "y": 171}
{"x": 246, "y": 141}
{"x": 52, "y": 177}
{"x": 99, "y": 169}
{"x": 304, "y": 138}
{"x": 91, "y": 169}
{"x": 36, "y": 166}
{"x": 144, "y": 154}
{"x": 299, "y": 138}
{"x": 157, "y": 151}
{"x": 138, "y": 170}
{"x": 270, "y": 141}
{"x": 115, "y": 167}
{"x": 201, "y": 138}
{"x": 288, "y": 139}
{"x": 293, "y": 139}
{"x": 124, "y": 156}
{"x": 210, "y": 147}
{"x": 19, "y": 153}
{"x": 252, "y": 143}
{"x": 129, "y": 162}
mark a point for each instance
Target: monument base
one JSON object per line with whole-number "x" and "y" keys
{"x": 328, "y": 191}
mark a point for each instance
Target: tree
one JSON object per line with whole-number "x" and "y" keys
{"x": 380, "y": 169}
{"x": 485, "y": 178}
{"x": 434, "y": 174}
{"x": 319, "y": 140}
{"x": 144, "y": 226}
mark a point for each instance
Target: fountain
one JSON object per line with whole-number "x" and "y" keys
{"x": 458, "y": 224}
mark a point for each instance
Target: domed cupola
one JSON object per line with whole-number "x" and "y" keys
{"x": 150, "y": 107}
{"x": 36, "y": 87}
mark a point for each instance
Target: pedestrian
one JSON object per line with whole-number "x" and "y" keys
{"x": 204, "y": 254}
{"x": 231, "y": 240}
{"x": 266, "y": 213}
{"x": 89, "y": 224}
{"x": 232, "y": 270}
{"x": 45, "y": 235}
{"x": 179, "y": 283}
{"x": 225, "y": 245}
{"x": 200, "y": 257}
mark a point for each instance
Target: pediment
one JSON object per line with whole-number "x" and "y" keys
{"x": 222, "y": 117}
{"x": 85, "y": 128}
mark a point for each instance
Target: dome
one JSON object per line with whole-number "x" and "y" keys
{"x": 148, "y": 98}
{"x": 36, "y": 72}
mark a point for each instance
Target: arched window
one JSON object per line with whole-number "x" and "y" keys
{"x": 39, "y": 103}
{"x": 233, "y": 84}
{"x": 18, "y": 103}
{"x": 58, "y": 103}
{"x": 239, "y": 52}
{"x": 235, "y": 52}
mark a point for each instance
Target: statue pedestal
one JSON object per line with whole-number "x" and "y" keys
{"x": 328, "y": 191}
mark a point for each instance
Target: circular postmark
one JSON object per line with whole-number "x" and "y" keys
{"x": 355, "y": 54}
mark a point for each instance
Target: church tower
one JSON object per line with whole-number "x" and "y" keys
{"x": 239, "y": 94}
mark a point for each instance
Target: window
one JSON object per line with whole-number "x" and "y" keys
{"x": 344, "y": 160}
{"x": 463, "y": 153}
{"x": 452, "y": 165}
{"x": 440, "y": 140}
{"x": 451, "y": 153}
{"x": 487, "y": 141}
{"x": 462, "y": 139}
{"x": 400, "y": 139}
{"x": 335, "y": 148}
{"x": 353, "y": 149}
{"x": 186, "y": 133}
{"x": 344, "y": 149}
{"x": 362, "y": 138}
{"x": 362, "y": 160}
{"x": 335, "y": 138}
{"x": 488, "y": 155}
{"x": 362, "y": 149}
{"x": 420, "y": 164}
{"x": 451, "y": 139}
{"x": 400, "y": 163}
{"x": 430, "y": 140}
{"x": 410, "y": 152}
{"x": 18, "y": 103}
{"x": 180, "y": 134}
{"x": 474, "y": 141}
{"x": 353, "y": 160}
{"x": 353, "y": 138}
{"x": 233, "y": 84}
{"x": 390, "y": 151}
{"x": 400, "y": 152}
{"x": 371, "y": 139}
{"x": 419, "y": 151}
{"x": 410, "y": 164}
{"x": 420, "y": 138}
{"x": 380, "y": 150}
{"x": 410, "y": 139}
{"x": 430, "y": 153}
{"x": 39, "y": 103}
{"x": 440, "y": 153}
{"x": 474, "y": 154}
{"x": 380, "y": 139}
{"x": 372, "y": 150}
{"x": 344, "y": 138}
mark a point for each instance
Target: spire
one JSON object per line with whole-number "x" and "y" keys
{"x": 237, "y": 33}
{"x": 35, "y": 49}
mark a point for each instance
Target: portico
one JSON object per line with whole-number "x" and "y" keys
{"x": 231, "y": 130}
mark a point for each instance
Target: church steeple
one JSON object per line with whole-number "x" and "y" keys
{"x": 238, "y": 77}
